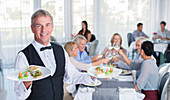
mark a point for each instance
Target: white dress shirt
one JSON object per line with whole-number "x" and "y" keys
{"x": 71, "y": 76}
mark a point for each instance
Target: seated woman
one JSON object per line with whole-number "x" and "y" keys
{"x": 72, "y": 50}
{"x": 116, "y": 38}
{"x": 148, "y": 79}
{"x": 85, "y": 32}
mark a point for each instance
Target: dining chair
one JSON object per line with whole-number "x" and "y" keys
{"x": 159, "y": 56}
{"x": 93, "y": 47}
{"x": 167, "y": 56}
{"x": 130, "y": 38}
{"x": 162, "y": 70}
{"x": 163, "y": 86}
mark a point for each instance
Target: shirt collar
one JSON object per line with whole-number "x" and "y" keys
{"x": 38, "y": 45}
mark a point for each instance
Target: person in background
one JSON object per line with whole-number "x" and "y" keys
{"x": 72, "y": 50}
{"x": 148, "y": 80}
{"x": 138, "y": 33}
{"x": 116, "y": 38}
{"x": 163, "y": 34}
{"x": 82, "y": 54}
{"x": 85, "y": 32}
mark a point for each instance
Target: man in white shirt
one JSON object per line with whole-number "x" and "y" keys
{"x": 43, "y": 53}
{"x": 163, "y": 34}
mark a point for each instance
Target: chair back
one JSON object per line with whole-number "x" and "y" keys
{"x": 163, "y": 86}
{"x": 93, "y": 47}
{"x": 167, "y": 56}
{"x": 159, "y": 56}
{"x": 162, "y": 70}
{"x": 130, "y": 38}
{"x": 93, "y": 37}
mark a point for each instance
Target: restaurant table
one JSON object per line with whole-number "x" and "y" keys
{"x": 108, "y": 90}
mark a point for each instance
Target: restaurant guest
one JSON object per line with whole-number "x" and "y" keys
{"x": 138, "y": 33}
{"x": 72, "y": 50}
{"x": 148, "y": 79}
{"x": 85, "y": 32}
{"x": 163, "y": 34}
{"x": 116, "y": 38}
{"x": 82, "y": 54}
{"x": 135, "y": 64}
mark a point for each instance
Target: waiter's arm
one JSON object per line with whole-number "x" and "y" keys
{"x": 22, "y": 90}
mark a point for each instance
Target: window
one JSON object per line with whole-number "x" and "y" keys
{"x": 56, "y": 8}
{"x": 82, "y": 10}
{"x": 15, "y": 31}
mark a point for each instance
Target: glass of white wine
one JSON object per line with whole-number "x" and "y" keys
{"x": 116, "y": 47}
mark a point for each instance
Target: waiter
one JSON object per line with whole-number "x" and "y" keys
{"x": 43, "y": 53}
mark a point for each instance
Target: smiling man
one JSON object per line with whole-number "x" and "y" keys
{"x": 43, "y": 53}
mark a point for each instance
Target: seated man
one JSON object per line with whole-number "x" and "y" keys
{"x": 82, "y": 54}
{"x": 138, "y": 33}
{"x": 163, "y": 34}
{"x": 135, "y": 64}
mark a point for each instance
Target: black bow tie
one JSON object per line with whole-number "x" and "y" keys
{"x": 44, "y": 48}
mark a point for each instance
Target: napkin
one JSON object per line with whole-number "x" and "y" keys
{"x": 82, "y": 94}
{"x": 127, "y": 94}
{"x": 130, "y": 94}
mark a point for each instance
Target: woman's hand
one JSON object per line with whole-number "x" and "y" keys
{"x": 115, "y": 59}
{"x": 105, "y": 61}
{"x": 121, "y": 52}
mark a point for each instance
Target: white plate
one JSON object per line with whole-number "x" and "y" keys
{"x": 126, "y": 72}
{"x": 98, "y": 82}
{"x": 14, "y": 75}
{"x": 91, "y": 72}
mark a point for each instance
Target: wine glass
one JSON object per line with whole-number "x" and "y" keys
{"x": 116, "y": 47}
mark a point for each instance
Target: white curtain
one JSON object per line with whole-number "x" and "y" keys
{"x": 105, "y": 17}
{"x": 15, "y": 30}
{"x": 122, "y": 16}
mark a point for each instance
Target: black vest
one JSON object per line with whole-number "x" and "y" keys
{"x": 50, "y": 88}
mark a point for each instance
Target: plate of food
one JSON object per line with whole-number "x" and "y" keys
{"x": 100, "y": 72}
{"x": 97, "y": 83}
{"x": 126, "y": 72}
{"x": 31, "y": 73}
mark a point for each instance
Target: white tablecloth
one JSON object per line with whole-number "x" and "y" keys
{"x": 161, "y": 47}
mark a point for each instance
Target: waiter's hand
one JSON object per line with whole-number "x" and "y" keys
{"x": 27, "y": 84}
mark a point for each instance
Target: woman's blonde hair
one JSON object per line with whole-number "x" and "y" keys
{"x": 69, "y": 47}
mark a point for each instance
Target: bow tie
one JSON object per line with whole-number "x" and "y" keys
{"x": 44, "y": 48}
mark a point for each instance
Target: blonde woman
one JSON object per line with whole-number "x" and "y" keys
{"x": 72, "y": 50}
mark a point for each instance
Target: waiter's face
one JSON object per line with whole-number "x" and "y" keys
{"x": 82, "y": 45}
{"x": 42, "y": 29}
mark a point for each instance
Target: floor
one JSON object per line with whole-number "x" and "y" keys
{"x": 6, "y": 86}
